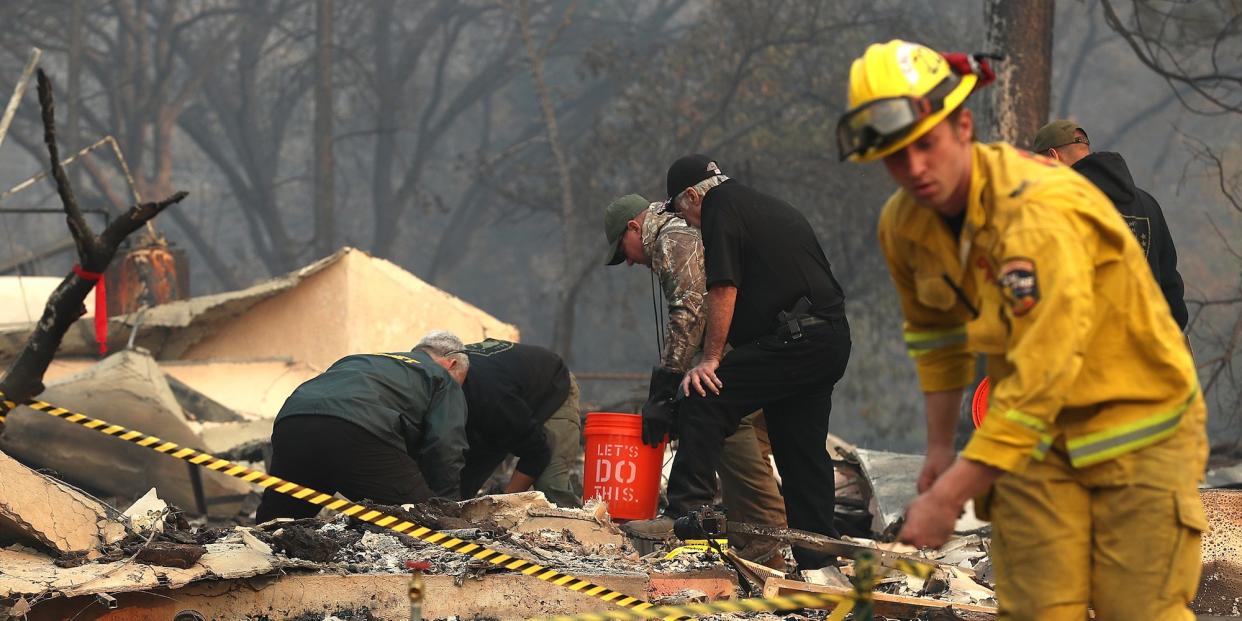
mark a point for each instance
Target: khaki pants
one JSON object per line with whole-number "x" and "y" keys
{"x": 1122, "y": 536}
{"x": 564, "y": 431}
{"x": 746, "y": 479}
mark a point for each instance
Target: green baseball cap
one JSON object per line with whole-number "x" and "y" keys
{"x": 616, "y": 216}
{"x": 1058, "y": 134}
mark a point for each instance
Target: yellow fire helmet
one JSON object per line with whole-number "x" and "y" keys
{"x": 898, "y": 91}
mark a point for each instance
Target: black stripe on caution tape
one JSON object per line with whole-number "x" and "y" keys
{"x": 351, "y": 509}
{"x": 840, "y": 604}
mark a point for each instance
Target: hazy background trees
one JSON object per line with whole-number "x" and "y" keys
{"x": 475, "y": 142}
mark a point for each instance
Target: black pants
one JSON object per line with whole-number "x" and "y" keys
{"x": 478, "y": 469}
{"x": 331, "y": 455}
{"x": 792, "y": 382}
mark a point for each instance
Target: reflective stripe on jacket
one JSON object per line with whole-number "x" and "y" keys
{"x": 1048, "y": 281}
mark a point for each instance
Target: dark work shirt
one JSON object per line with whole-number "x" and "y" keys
{"x": 767, "y": 249}
{"x": 406, "y": 399}
{"x": 955, "y": 224}
{"x": 1108, "y": 171}
{"x": 511, "y": 390}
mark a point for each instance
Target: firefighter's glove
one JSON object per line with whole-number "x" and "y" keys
{"x": 659, "y": 410}
{"x": 977, "y": 64}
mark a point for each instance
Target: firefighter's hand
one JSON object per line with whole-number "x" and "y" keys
{"x": 931, "y": 517}
{"x": 702, "y": 378}
{"x": 929, "y": 520}
{"x": 935, "y": 464}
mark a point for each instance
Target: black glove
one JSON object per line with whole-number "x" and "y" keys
{"x": 659, "y": 410}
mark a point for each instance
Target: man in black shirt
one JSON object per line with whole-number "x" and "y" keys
{"x": 384, "y": 427}
{"x": 522, "y": 401}
{"x": 773, "y": 298}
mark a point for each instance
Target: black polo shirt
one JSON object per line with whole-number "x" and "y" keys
{"x": 767, "y": 249}
{"x": 511, "y": 390}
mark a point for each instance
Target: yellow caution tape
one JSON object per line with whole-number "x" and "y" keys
{"x": 841, "y": 605}
{"x": 351, "y": 509}
{"x": 918, "y": 570}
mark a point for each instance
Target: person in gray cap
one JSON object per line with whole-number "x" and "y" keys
{"x": 1065, "y": 141}
{"x": 639, "y": 233}
{"x": 773, "y": 298}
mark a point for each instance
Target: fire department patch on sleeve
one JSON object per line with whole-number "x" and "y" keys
{"x": 1019, "y": 285}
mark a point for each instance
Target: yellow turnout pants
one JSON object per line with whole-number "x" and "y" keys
{"x": 1122, "y": 536}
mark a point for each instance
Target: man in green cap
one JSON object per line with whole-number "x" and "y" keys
{"x": 638, "y": 232}
{"x": 1066, "y": 142}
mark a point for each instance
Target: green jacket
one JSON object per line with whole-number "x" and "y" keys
{"x": 405, "y": 399}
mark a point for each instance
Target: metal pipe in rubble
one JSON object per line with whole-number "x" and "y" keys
{"x": 416, "y": 587}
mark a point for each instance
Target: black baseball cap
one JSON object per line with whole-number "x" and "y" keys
{"x": 687, "y": 171}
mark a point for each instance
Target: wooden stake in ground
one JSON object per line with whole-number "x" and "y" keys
{"x": 24, "y": 378}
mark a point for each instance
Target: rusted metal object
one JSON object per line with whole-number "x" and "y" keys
{"x": 150, "y": 274}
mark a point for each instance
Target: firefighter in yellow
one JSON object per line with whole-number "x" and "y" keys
{"x": 1088, "y": 461}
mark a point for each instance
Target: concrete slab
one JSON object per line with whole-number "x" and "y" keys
{"x": 385, "y": 596}
{"x": 530, "y": 512}
{"x": 1220, "y": 585}
{"x": 27, "y": 573}
{"x": 126, "y": 388}
{"x": 38, "y": 509}
{"x": 220, "y": 437}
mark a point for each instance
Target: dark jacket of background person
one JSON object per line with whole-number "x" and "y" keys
{"x": 405, "y": 399}
{"x": 1108, "y": 171}
{"x": 511, "y": 391}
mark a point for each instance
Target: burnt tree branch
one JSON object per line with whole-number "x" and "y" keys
{"x": 24, "y": 378}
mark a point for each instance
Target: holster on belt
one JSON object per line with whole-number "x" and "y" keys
{"x": 791, "y": 319}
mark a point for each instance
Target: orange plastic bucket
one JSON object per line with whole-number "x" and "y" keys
{"x": 619, "y": 468}
{"x": 979, "y": 404}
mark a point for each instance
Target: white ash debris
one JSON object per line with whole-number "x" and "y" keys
{"x": 386, "y": 552}
{"x": 685, "y": 561}
{"x": 334, "y": 526}
{"x": 378, "y": 552}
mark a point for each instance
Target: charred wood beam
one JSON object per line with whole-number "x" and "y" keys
{"x": 24, "y": 378}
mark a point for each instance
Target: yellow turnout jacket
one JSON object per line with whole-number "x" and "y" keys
{"x": 1047, "y": 280}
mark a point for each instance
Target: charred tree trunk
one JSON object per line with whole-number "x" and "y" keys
{"x": 24, "y": 378}
{"x": 325, "y": 227}
{"x": 1020, "y": 96}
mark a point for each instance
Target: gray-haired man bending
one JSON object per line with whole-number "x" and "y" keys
{"x": 389, "y": 427}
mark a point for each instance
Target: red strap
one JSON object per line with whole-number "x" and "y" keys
{"x": 101, "y": 306}
{"x": 966, "y": 64}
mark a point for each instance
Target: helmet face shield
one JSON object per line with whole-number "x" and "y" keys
{"x": 878, "y": 122}
{"x": 881, "y": 122}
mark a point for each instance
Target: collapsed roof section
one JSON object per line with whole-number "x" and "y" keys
{"x": 129, "y": 389}
{"x": 218, "y": 391}
{"x": 346, "y": 303}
